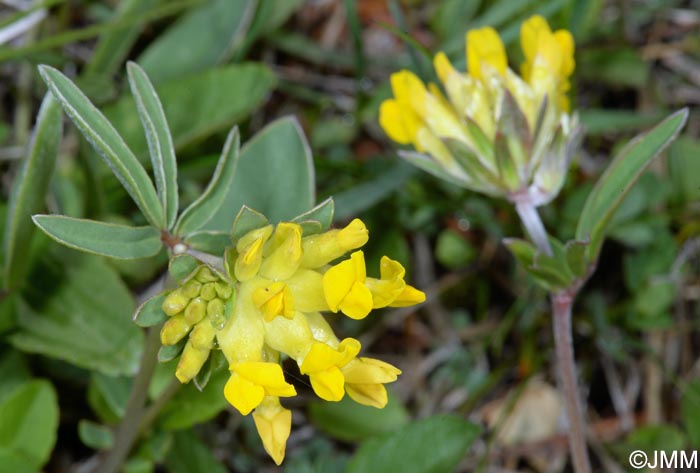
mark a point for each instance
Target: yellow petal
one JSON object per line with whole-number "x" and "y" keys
{"x": 397, "y": 122}
{"x": 250, "y": 252}
{"x": 485, "y": 51}
{"x": 370, "y": 371}
{"x": 274, "y": 424}
{"x": 410, "y": 296}
{"x": 409, "y": 91}
{"x": 443, "y": 67}
{"x": 530, "y": 32}
{"x": 329, "y": 384}
{"x": 566, "y": 49}
{"x": 357, "y": 303}
{"x": 339, "y": 280}
{"x": 243, "y": 394}
{"x": 373, "y": 395}
{"x": 321, "y": 356}
{"x": 391, "y": 284}
{"x": 273, "y": 300}
{"x": 268, "y": 376}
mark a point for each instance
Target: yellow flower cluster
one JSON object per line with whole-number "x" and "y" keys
{"x": 281, "y": 282}
{"x": 494, "y": 131}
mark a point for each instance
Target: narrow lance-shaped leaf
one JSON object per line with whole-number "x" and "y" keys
{"x": 620, "y": 176}
{"x": 160, "y": 142}
{"x": 104, "y": 138}
{"x": 29, "y": 189}
{"x": 196, "y": 216}
{"x": 107, "y": 239}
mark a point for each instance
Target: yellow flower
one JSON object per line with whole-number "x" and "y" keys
{"x": 493, "y": 132}
{"x": 268, "y": 304}
{"x": 251, "y": 381}
{"x": 365, "y": 379}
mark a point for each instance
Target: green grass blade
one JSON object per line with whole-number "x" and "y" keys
{"x": 29, "y": 190}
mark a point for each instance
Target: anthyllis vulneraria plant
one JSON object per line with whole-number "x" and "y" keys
{"x": 494, "y": 132}
{"x": 513, "y": 136}
{"x": 249, "y": 289}
{"x": 267, "y": 303}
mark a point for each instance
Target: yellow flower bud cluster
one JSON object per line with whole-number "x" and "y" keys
{"x": 280, "y": 282}
{"x": 489, "y": 129}
{"x": 196, "y": 308}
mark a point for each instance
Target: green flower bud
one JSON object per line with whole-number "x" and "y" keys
{"x": 205, "y": 275}
{"x": 175, "y": 302}
{"x": 174, "y": 330}
{"x": 202, "y": 336}
{"x": 191, "y": 288}
{"x": 195, "y": 311}
{"x": 191, "y": 361}
{"x": 208, "y": 291}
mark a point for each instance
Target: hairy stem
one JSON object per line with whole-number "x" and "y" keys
{"x": 129, "y": 427}
{"x": 568, "y": 383}
{"x": 563, "y": 342}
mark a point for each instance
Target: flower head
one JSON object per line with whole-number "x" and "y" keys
{"x": 268, "y": 302}
{"x": 492, "y": 130}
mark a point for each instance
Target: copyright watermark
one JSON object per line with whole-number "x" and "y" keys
{"x": 662, "y": 459}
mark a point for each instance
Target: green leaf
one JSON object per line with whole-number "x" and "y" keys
{"x": 349, "y": 421}
{"x": 548, "y": 272}
{"x": 13, "y": 371}
{"x": 29, "y": 423}
{"x": 114, "y": 44}
{"x": 367, "y": 194}
{"x": 322, "y": 213}
{"x": 29, "y": 190}
{"x": 196, "y": 216}
{"x": 684, "y": 168}
{"x": 150, "y": 313}
{"x": 198, "y": 105}
{"x": 432, "y": 445}
{"x": 690, "y": 412}
{"x": 270, "y": 14}
{"x": 95, "y": 435}
{"x": 620, "y": 176}
{"x": 98, "y": 131}
{"x": 211, "y": 32}
{"x": 275, "y": 176}
{"x": 210, "y": 242}
{"x": 182, "y": 266}
{"x": 189, "y": 455}
{"x": 107, "y": 239}
{"x": 247, "y": 220}
{"x": 84, "y": 317}
{"x": 576, "y": 257}
{"x": 160, "y": 143}
{"x": 170, "y": 352}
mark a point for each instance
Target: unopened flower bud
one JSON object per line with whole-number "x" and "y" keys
{"x": 195, "y": 311}
{"x": 191, "y": 361}
{"x": 174, "y": 330}
{"x": 191, "y": 288}
{"x": 208, "y": 291}
{"x": 202, "y": 336}
{"x": 323, "y": 248}
{"x": 205, "y": 275}
{"x": 175, "y": 302}
{"x": 223, "y": 290}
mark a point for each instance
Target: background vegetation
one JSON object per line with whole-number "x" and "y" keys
{"x": 479, "y": 349}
